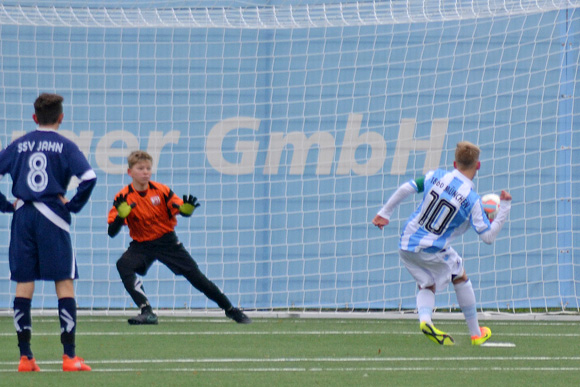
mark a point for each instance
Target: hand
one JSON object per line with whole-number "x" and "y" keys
{"x": 380, "y": 222}
{"x": 189, "y": 205}
{"x": 505, "y": 196}
{"x": 63, "y": 199}
{"x": 123, "y": 208}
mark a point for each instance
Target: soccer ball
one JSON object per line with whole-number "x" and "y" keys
{"x": 490, "y": 205}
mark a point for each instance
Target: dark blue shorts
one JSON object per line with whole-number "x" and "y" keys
{"x": 39, "y": 249}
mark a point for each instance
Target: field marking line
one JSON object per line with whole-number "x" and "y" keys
{"x": 279, "y": 333}
{"x": 498, "y": 345}
{"x": 319, "y": 360}
{"x": 269, "y": 320}
{"x": 328, "y": 369}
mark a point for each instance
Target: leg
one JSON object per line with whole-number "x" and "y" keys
{"x": 128, "y": 266}
{"x": 466, "y": 300}
{"x": 67, "y": 313}
{"x": 23, "y": 324}
{"x": 180, "y": 262}
{"x": 211, "y": 291}
{"x": 426, "y": 303}
{"x": 427, "y": 270}
{"x": 199, "y": 281}
{"x": 23, "y": 260}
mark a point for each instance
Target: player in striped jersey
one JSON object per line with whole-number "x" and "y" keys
{"x": 41, "y": 164}
{"x": 450, "y": 206}
{"x": 149, "y": 209}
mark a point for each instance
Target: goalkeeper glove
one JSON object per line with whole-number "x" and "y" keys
{"x": 189, "y": 205}
{"x": 123, "y": 208}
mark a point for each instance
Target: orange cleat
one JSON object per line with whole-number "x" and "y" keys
{"x": 27, "y": 365}
{"x": 74, "y": 364}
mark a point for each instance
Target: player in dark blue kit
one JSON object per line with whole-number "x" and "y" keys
{"x": 41, "y": 164}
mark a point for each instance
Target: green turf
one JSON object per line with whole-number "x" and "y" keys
{"x": 295, "y": 352}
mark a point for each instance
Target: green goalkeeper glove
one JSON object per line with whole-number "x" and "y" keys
{"x": 189, "y": 205}
{"x": 123, "y": 208}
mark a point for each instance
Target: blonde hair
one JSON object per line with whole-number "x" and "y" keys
{"x": 466, "y": 155}
{"x": 137, "y": 156}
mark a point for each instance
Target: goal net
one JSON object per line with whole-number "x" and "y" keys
{"x": 292, "y": 122}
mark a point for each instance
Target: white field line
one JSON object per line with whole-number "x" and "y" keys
{"x": 260, "y": 321}
{"x": 317, "y": 360}
{"x": 256, "y": 365}
{"x": 498, "y": 345}
{"x": 280, "y": 333}
{"x": 331, "y": 369}
{"x": 261, "y": 364}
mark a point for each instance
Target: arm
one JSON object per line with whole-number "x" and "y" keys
{"x": 5, "y": 205}
{"x": 87, "y": 182}
{"x": 115, "y": 227}
{"x": 384, "y": 215}
{"x": 120, "y": 211}
{"x": 491, "y": 233}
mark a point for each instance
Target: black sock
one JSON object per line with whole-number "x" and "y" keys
{"x": 67, "y": 312}
{"x": 23, "y": 324}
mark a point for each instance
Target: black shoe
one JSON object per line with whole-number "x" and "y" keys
{"x": 238, "y": 316}
{"x": 145, "y": 318}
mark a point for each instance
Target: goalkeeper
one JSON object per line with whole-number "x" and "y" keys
{"x": 149, "y": 209}
{"x": 449, "y": 207}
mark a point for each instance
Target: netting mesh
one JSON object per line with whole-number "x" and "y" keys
{"x": 256, "y": 14}
{"x": 292, "y": 122}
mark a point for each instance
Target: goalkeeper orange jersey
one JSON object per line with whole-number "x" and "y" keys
{"x": 153, "y": 215}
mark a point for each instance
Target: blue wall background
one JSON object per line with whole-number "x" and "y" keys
{"x": 304, "y": 240}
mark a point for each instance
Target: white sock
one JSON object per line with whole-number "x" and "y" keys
{"x": 425, "y": 305}
{"x": 466, "y": 300}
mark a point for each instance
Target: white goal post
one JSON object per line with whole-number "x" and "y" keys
{"x": 292, "y": 122}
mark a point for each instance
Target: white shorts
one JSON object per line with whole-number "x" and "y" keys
{"x": 433, "y": 269}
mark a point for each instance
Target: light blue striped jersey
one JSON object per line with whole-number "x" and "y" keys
{"x": 449, "y": 206}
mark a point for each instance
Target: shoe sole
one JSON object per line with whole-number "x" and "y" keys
{"x": 240, "y": 320}
{"x": 75, "y": 364}
{"x": 28, "y": 369}
{"x": 132, "y": 322}
{"x": 481, "y": 340}
{"x": 441, "y": 339}
{"x": 29, "y": 366}
{"x": 74, "y": 369}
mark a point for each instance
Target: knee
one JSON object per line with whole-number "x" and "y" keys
{"x": 124, "y": 268}
{"x": 432, "y": 288}
{"x": 460, "y": 279}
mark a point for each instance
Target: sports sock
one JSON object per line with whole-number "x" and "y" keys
{"x": 23, "y": 324}
{"x": 425, "y": 305}
{"x": 146, "y": 309}
{"x": 134, "y": 286}
{"x": 466, "y": 300}
{"x": 67, "y": 313}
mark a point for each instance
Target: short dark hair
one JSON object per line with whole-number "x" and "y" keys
{"x": 48, "y": 107}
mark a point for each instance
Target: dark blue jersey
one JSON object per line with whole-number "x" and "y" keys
{"x": 41, "y": 164}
